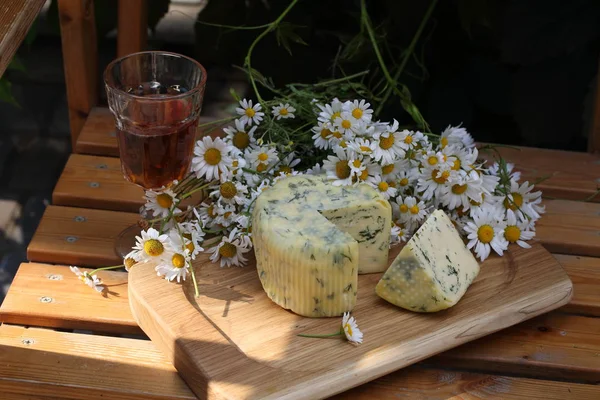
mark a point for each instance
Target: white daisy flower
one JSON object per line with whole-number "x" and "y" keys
{"x": 91, "y": 280}
{"x": 207, "y": 212}
{"x": 283, "y": 111}
{"x": 175, "y": 268}
{"x": 406, "y": 180}
{"x": 398, "y": 234}
{"x": 494, "y": 169}
{"x": 359, "y": 110}
{"x": 460, "y": 157}
{"x": 322, "y": 135}
{"x": 383, "y": 187}
{"x": 436, "y": 159}
{"x": 364, "y": 129}
{"x": 486, "y": 232}
{"x": 230, "y": 192}
{"x": 238, "y": 137}
{"x": 387, "y": 145}
{"x": 432, "y": 180}
{"x": 350, "y": 328}
{"x": 128, "y": 263}
{"x": 249, "y": 114}
{"x": 226, "y": 215}
{"x": 243, "y": 223}
{"x": 417, "y": 210}
{"x": 391, "y": 171}
{"x": 465, "y": 189}
{"x": 409, "y": 139}
{"x": 194, "y": 236}
{"x": 316, "y": 170}
{"x": 520, "y": 199}
{"x": 236, "y": 170}
{"x": 517, "y": 231}
{"x": 231, "y": 249}
{"x": 286, "y": 165}
{"x": 329, "y": 112}
{"x": 160, "y": 203}
{"x": 212, "y": 158}
{"x": 362, "y": 170}
{"x": 456, "y": 135}
{"x": 337, "y": 168}
{"x": 400, "y": 207}
{"x": 151, "y": 246}
{"x": 261, "y": 158}
{"x": 360, "y": 146}
{"x": 346, "y": 124}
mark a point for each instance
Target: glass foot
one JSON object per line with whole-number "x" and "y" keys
{"x": 126, "y": 240}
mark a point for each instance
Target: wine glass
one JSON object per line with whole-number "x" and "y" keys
{"x": 156, "y": 98}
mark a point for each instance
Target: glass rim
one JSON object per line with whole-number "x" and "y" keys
{"x": 195, "y": 89}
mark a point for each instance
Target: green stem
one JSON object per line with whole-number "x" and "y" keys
{"x": 321, "y": 336}
{"x": 248, "y": 60}
{"x": 188, "y": 194}
{"x": 196, "y": 289}
{"x": 407, "y": 54}
{"x": 107, "y": 268}
{"x": 216, "y": 121}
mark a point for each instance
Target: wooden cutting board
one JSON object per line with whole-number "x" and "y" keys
{"x": 234, "y": 343}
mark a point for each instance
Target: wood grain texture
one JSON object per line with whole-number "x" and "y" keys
{"x": 52, "y": 296}
{"x": 98, "y": 135}
{"x": 43, "y": 362}
{"x": 584, "y": 272}
{"x": 78, "y": 236}
{"x": 96, "y": 182}
{"x": 16, "y": 17}
{"x": 80, "y": 59}
{"x": 132, "y": 29}
{"x": 571, "y": 175}
{"x": 233, "y": 326}
{"x": 570, "y": 227}
{"x": 551, "y": 346}
{"x": 418, "y": 383}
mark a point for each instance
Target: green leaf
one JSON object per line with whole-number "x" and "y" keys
{"x": 284, "y": 33}
{"x": 6, "y": 93}
{"x": 16, "y": 64}
{"x": 234, "y": 94}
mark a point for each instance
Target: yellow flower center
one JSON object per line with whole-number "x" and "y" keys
{"x": 444, "y": 142}
{"x": 241, "y": 140}
{"x": 356, "y": 163}
{"x": 485, "y": 233}
{"x": 408, "y": 139}
{"x": 235, "y": 163}
{"x": 346, "y": 124}
{"x": 335, "y": 115}
{"x": 387, "y": 169}
{"x": 403, "y": 208}
{"x": 348, "y": 329}
{"x": 364, "y": 175}
{"x": 336, "y": 135}
{"x": 164, "y": 200}
{"x": 459, "y": 189}
{"x": 283, "y": 111}
{"x": 386, "y": 142}
{"x": 227, "y": 214}
{"x": 263, "y": 157}
{"x": 190, "y": 247}
{"x": 178, "y": 261}
{"x": 512, "y": 233}
{"x": 211, "y": 211}
{"x": 212, "y": 156}
{"x": 517, "y": 201}
{"x": 250, "y": 112}
{"x": 366, "y": 149}
{"x": 284, "y": 169}
{"x": 403, "y": 181}
{"x": 443, "y": 178}
{"x": 227, "y": 250}
{"x": 456, "y": 165}
{"x": 228, "y": 190}
{"x": 432, "y": 160}
{"x": 383, "y": 186}
{"x": 261, "y": 167}
{"x": 357, "y": 113}
{"x": 392, "y": 184}
{"x": 461, "y": 211}
{"x": 153, "y": 247}
{"x": 414, "y": 209}
{"x": 343, "y": 144}
{"x": 325, "y": 133}
{"x": 129, "y": 262}
{"x": 342, "y": 169}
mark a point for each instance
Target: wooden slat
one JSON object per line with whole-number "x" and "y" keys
{"x": 96, "y": 182}
{"x": 418, "y": 383}
{"x": 98, "y": 134}
{"x": 80, "y": 57}
{"x": 572, "y": 175}
{"x": 16, "y": 16}
{"x": 132, "y": 30}
{"x": 570, "y": 227}
{"x": 75, "y": 366}
{"x": 554, "y": 345}
{"x": 78, "y": 236}
{"x": 52, "y": 296}
{"x": 585, "y": 275}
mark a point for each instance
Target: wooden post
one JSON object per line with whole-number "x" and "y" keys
{"x": 80, "y": 57}
{"x": 132, "y": 30}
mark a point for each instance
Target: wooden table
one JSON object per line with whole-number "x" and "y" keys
{"x": 60, "y": 339}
